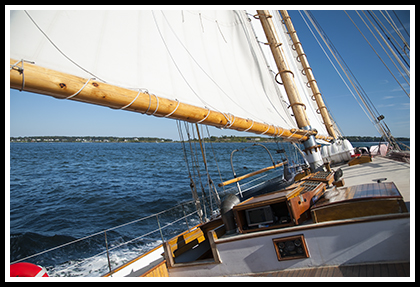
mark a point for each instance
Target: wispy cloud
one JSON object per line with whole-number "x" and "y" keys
{"x": 383, "y": 82}
{"x": 386, "y": 106}
{"x": 388, "y": 97}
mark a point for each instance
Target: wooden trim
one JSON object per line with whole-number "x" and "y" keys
{"x": 132, "y": 261}
{"x": 383, "y": 269}
{"x": 233, "y": 180}
{"x": 299, "y": 228}
{"x": 159, "y": 270}
{"x": 212, "y": 235}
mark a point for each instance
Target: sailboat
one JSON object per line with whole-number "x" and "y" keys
{"x": 210, "y": 68}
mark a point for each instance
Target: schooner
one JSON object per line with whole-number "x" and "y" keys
{"x": 208, "y": 68}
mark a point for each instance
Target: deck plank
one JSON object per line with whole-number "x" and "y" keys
{"x": 362, "y": 270}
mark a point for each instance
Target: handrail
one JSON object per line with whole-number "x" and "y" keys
{"x": 236, "y": 179}
{"x": 251, "y": 174}
{"x": 110, "y": 248}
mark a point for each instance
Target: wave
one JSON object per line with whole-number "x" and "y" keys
{"x": 83, "y": 258}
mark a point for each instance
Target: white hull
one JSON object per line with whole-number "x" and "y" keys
{"x": 340, "y": 244}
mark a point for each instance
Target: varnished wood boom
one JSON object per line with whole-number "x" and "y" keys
{"x": 61, "y": 85}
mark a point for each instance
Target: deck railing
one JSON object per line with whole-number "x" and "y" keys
{"x": 76, "y": 257}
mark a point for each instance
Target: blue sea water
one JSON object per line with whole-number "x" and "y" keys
{"x": 60, "y": 192}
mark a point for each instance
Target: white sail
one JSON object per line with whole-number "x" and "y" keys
{"x": 208, "y": 59}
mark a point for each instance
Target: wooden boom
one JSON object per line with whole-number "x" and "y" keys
{"x": 61, "y": 85}
{"x": 236, "y": 179}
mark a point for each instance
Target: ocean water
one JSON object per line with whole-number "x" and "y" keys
{"x": 60, "y": 192}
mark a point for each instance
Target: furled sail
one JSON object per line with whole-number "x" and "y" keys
{"x": 208, "y": 59}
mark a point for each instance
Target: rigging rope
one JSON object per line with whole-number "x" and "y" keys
{"x": 407, "y": 72}
{"x": 193, "y": 185}
{"x": 377, "y": 119}
{"x": 378, "y": 55}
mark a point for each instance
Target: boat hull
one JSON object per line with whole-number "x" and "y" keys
{"x": 345, "y": 242}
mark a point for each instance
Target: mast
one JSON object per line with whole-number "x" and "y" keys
{"x": 308, "y": 72}
{"x": 312, "y": 150}
{"x": 32, "y": 78}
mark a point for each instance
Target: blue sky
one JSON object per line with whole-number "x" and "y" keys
{"x": 32, "y": 114}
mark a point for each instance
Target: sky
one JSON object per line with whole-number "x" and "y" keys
{"x": 30, "y": 114}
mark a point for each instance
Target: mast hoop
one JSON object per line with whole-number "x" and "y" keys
{"x": 298, "y": 104}
{"x": 78, "y": 92}
{"x": 257, "y": 16}
{"x": 294, "y": 46}
{"x": 287, "y": 71}
{"x": 313, "y": 97}
{"x": 275, "y": 78}
{"x": 298, "y": 58}
{"x": 304, "y": 69}
{"x": 308, "y": 84}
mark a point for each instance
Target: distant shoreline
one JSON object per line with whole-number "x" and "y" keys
{"x": 111, "y": 139}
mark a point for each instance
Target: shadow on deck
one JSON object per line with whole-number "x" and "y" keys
{"x": 361, "y": 270}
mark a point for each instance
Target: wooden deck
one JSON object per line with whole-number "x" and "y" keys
{"x": 365, "y": 270}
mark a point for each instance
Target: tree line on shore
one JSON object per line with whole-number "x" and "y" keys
{"x": 113, "y": 139}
